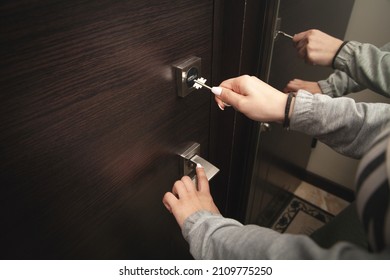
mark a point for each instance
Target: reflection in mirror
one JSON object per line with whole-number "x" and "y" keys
{"x": 285, "y": 159}
{"x": 282, "y": 155}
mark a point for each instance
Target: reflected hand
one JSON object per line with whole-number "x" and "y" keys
{"x": 316, "y": 47}
{"x": 296, "y": 84}
{"x": 186, "y": 199}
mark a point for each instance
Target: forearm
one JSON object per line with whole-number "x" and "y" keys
{"x": 342, "y": 124}
{"x": 339, "y": 84}
{"x": 215, "y": 237}
{"x": 367, "y": 65}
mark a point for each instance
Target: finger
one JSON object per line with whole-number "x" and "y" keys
{"x": 190, "y": 186}
{"x": 169, "y": 201}
{"x": 287, "y": 89}
{"x": 228, "y": 83}
{"x": 301, "y": 46}
{"x": 230, "y": 97}
{"x": 298, "y": 37}
{"x": 302, "y": 52}
{"x": 235, "y": 84}
{"x": 292, "y": 86}
{"x": 220, "y": 103}
{"x": 179, "y": 189}
{"x": 226, "y": 105}
{"x": 203, "y": 183}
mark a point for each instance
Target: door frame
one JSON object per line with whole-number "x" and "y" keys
{"x": 241, "y": 38}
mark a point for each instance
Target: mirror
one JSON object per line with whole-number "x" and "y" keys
{"x": 284, "y": 158}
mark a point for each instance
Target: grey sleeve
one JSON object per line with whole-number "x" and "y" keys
{"x": 339, "y": 83}
{"x": 212, "y": 236}
{"x": 366, "y": 64}
{"x": 341, "y": 123}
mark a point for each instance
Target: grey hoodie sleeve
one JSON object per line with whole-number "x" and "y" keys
{"x": 212, "y": 236}
{"x": 345, "y": 126}
{"x": 360, "y": 65}
{"x": 339, "y": 84}
{"x": 341, "y": 123}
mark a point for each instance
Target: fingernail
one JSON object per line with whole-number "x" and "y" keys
{"x": 198, "y": 165}
{"x": 228, "y": 105}
{"x": 216, "y": 90}
{"x": 220, "y": 107}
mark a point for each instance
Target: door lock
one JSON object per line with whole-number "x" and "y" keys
{"x": 185, "y": 73}
{"x": 189, "y": 158}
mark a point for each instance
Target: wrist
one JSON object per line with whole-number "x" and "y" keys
{"x": 288, "y": 110}
{"x": 337, "y": 53}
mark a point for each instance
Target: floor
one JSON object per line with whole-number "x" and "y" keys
{"x": 300, "y": 217}
{"x": 326, "y": 201}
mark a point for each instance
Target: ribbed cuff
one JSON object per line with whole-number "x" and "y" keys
{"x": 303, "y": 109}
{"x": 326, "y": 87}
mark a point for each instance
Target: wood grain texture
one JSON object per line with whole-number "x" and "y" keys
{"x": 89, "y": 121}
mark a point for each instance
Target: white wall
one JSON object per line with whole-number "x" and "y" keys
{"x": 369, "y": 22}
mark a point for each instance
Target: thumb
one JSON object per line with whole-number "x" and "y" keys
{"x": 203, "y": 183}
{"x": 298, "y": 37}
{"x": 228, "y": 96}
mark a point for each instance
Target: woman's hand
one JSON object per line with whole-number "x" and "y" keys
{"x": 186, "y": 199}
{"x": 252, "y": 97}
{"x": 296, "y": 84}
{"x": 316, "y": 47}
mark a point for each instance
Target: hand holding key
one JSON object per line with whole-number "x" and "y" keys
{"x": 316, "y": 47}
{"x": 201, "y": 82}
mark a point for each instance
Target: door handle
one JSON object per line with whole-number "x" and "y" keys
{"x": 265, "y": 127}
{"x": 189, "y": 158}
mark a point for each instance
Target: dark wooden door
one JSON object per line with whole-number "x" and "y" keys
{"x": 89, "y": 123}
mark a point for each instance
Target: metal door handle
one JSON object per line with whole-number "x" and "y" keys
{"x": 265, "y": 127}
{"x": 189, "y": 158}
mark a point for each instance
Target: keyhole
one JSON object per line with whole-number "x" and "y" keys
{"x": 192, "y": 75}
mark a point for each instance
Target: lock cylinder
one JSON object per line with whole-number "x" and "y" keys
{"x": 185, "y": 73}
